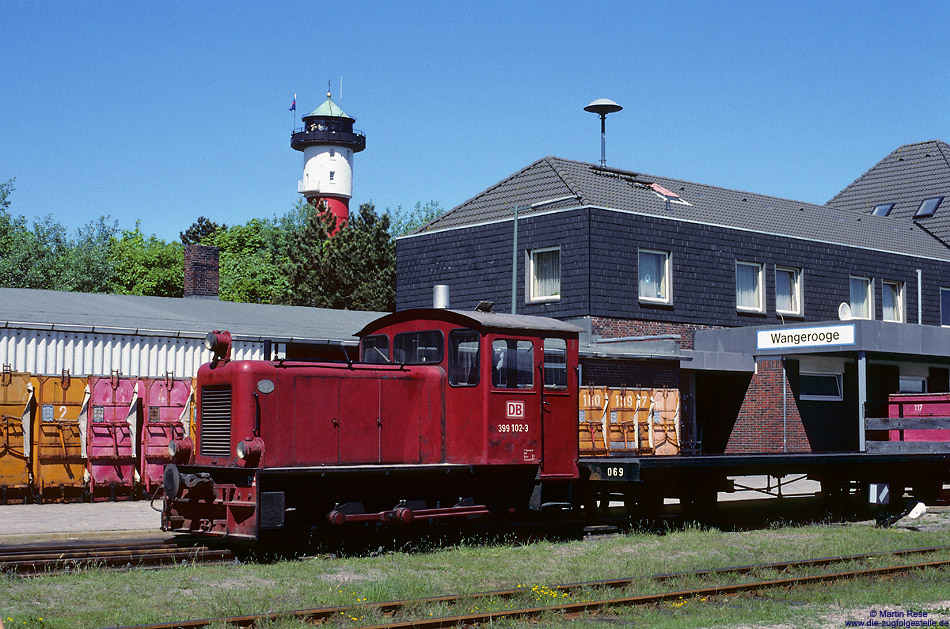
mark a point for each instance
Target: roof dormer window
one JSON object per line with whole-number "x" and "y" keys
{"x": 882, "y": 209}
{"x": 928, "y": 207}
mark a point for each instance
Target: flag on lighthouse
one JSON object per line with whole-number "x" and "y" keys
{"x": 293, "y": 105}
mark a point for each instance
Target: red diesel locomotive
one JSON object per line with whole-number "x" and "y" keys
{"x": 446, "y": 414}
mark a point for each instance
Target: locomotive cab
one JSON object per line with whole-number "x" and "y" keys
{"x": 511, "y": 395}
{"x": 446, "y": 414}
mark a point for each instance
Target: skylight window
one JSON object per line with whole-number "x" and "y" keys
{"x": 928, "y": 207}
{"x": 882, "y": 209}
{"x": 667, "y": 194}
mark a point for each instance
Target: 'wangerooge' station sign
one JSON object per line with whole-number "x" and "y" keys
{"x": 795, "y": 338}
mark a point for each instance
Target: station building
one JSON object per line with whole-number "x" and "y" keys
{"x": 785, "y": 325}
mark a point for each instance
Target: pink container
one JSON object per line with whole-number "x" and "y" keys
{"x": 167, "y": 416}
{"x": 111, "y": 435}
{"x": 919, "y": 405}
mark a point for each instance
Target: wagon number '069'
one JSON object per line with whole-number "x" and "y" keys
{"x": 616, "y": 472}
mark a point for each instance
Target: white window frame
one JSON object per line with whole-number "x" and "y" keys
{"x": 824, "y": 398}
{"x": 870, "y": 297}
{"x": 944, "y": 316}
{"x": 797, "y": 286}
{"x": 760, "y": 271}
{"x": 667, "y": 276}
{"x": 901, "y": 310}
{"x": 532, "y": 279}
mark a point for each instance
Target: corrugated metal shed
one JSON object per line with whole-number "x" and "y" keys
{"x": 45, "y": 332}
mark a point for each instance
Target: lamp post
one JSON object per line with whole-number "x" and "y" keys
{"x": 603, "y": 106}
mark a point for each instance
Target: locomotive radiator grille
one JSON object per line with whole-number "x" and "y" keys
{"x": 216, "y": 421}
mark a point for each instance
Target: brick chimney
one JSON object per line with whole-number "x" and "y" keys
{"x": 201, "y": 271}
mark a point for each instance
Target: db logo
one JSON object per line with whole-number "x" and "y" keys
{"x": 514, "y": 410}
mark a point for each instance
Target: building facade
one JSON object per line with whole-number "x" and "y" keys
{"x": 658, "y": 270}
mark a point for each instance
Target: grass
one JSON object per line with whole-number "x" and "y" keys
{"x": 94, "y": 598}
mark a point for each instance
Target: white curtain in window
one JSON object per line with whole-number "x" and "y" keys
{"x": 547, "y": 273}
{"x": 786, "y": 290}
{"x": 860, "y": 298}
{"x": 747, "y": 286}
{"x": 891, "y": 302}
{"x": 652, "y": 269}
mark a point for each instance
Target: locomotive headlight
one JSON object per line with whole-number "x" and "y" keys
{"x": 180, "y": 449}
{"x": 219, "y": 344}
{"x": 249, "y": 448}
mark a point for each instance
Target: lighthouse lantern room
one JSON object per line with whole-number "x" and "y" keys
{"x": 328, "y": 141}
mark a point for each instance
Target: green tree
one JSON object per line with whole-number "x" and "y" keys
{"x": 147, "y": 265}
{"x": 31, "y": 258}
{"x": 6, "y": 189}
{"x": 87, "y": 265}
{"x": 407, "y": 221}
{"x": 251, "y": 262}
{"x": 201, "y": 231}
{"x": 45, "y": 257}
{"x": 355, "y": 269}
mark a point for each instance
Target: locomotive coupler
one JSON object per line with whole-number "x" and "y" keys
{"x": 173, "y": 481}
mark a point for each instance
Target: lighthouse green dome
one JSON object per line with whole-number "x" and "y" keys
{"x": 329, "y": 109}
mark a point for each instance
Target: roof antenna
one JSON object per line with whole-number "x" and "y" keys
{"x": 328, "y": 89}
{"x": 603, "y": 106}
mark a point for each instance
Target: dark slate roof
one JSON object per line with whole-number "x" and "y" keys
{"x": 554, "y": 184}
{"x": 906, "y": 177}
{"x": 164, "y": 316}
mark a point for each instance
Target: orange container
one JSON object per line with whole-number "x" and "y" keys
{"x": 592, "y": 406}
{"x": 16, "y": 413}
{"x": 58, "y": 462}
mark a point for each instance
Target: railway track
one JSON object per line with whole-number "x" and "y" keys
{"x": 573, "y": 609}
{"x": 35, "y": 560}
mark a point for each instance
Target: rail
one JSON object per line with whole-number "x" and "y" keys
{"x": 391, "y": 608}
{"x": 36, "y": 560}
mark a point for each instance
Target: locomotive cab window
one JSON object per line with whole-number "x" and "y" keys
{"x": 375, "y": 349}
{"x": 512, "y": 364}
{"x": 418, "y": 348}
{"x": 463, "y": 357}
{"x": 555, "y": 364}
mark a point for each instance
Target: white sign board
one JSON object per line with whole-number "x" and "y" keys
{"x": 794, "y": 338}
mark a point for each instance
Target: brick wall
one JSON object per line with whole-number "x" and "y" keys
{"x": 609, "y": 328}
{"x": 631, "y": 373}
{"x": 201, "y": 271}
{"x": 809, "y": 426}
{"x": 759, "y": 423}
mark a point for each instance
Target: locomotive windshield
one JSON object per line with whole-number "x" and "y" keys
{"x": 418, "y": 348}
{"x": 375, "y": 349}
{"x": 512, "y": 364}
{"x": 463, "y": 358}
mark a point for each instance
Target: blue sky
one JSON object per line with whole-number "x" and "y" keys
{"x": 162, "y": 112}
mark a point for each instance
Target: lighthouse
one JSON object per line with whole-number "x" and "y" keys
{"x": 328, "y": 141}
